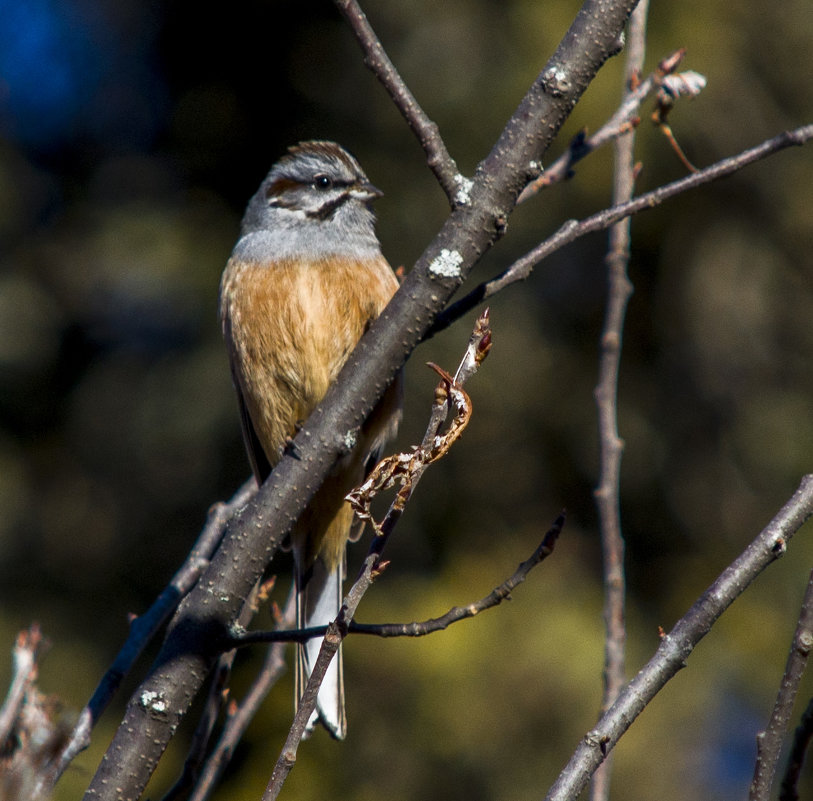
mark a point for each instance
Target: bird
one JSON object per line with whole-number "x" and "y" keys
{"x": 303, "y": 283}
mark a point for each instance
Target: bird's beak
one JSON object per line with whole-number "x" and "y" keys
{"x": 366, "y": 192}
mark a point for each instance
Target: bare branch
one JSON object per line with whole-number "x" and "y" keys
{"x": 376, "y": 58}
{"x": 624, "y": 120}
{"x": 24, "y": 660}
{"x": 669, "y": 86}
{"x": 33, "y": 729}
{"x": 769, "y": 742}
{"x": 241, "y": 715}
{"x": 416, "y": 629}
{"x": 572, "y": 230}
{"x": 216, "y": 700}
{"x": 801, "y": 739}
{"x": 406, "y": 468}
{"x": 457, "y": 613}
{"x": 608, "y": 492}
{"x": 203, "y": 731}
{"x": 678, "y": 644}
{"x": 689, "y": 84}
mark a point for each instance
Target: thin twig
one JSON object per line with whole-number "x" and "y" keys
{"x": 608, "y": 493}
{"x": 372, "y": 566}
{"x": 769, "y": 742}
{"x": 241, "y": 715}
{"x": 203, "y": 731}
{"x": 24, "y": 660}
{"x": 145, "y": 627}
{"x": 33, "y": 729}
{"x": 457, "y": 613}
{"x": 406, "y": 469}
{"x": 801, "y": 739}
{"x": 687, "y": 84}
{"x": 375, "y": 57}
{"x": 572, "y": 230}
{"x": 423, "y": 628}
{"x": 624, "y": 120}
{"x": 215, "y": 702}
{"x": 678, "y": 644}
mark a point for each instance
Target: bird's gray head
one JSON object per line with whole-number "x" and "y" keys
{"x": 315, "y": 197}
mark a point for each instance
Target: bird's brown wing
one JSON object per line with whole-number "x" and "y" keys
{"x": 256, "y": 455}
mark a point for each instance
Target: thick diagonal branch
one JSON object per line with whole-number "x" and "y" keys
{"x": 678, "y": 644}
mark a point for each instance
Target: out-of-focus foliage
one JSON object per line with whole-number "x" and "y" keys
{"x": 131, "y": 135}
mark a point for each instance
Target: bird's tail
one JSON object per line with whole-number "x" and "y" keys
{"x": 318, "y": 600}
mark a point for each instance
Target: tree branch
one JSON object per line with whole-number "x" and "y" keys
{"x": 769, "y": 742}
{"x": 241, "y": 715}
{"x": 375, "y": 57}
{"x": 216, "y": 699}
{"x": 33, "y": 730}
{"x": 24, "y": 659}
{"x": 572, "y": 230}
{"x": 608, "y": 492}
{"x": 457, "y": 613}
{"x": 677, "y": 645}
{"x": 421, "y": 629}
{"x": 801, "y": 739}
{"x": 624, "y": 120}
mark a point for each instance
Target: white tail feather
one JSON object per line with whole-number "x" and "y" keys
{"x": 318, "y": 600}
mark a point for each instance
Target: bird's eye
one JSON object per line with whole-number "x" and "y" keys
{"x": 322, "y": 182}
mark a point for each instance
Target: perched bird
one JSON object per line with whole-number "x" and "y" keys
{"x": 303, "y": 283}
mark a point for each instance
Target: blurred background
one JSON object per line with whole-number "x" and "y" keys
{"x": 131, "y": 136}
